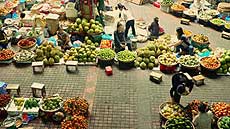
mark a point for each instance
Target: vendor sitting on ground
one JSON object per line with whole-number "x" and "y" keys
{"x": 204, "y": 119}
{"x": 183, "y": 45}
{"x": 119, "y": 39}
{"x": 63, "y": 39}
{"x": 154, "y": 29}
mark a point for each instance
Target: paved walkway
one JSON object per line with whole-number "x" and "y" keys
{"x": 127, "y": 99}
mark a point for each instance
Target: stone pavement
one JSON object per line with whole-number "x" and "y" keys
{"x": 127, "y": 99}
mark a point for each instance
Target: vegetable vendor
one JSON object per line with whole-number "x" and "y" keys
{"x": 179, "y": 84}
{"x": 154, "y": 29}
{"x": 183, "y": 45}
{"x": 204, "y": 119}
{"x": 120, "y": 40}
{"x": 63, "y": 39}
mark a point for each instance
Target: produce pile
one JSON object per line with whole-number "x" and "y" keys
{"x": 221, "y": 109}
{"x": 106, "y": 44}
{"x": 31, "y": 103}
{"x": 178, "y": 7}
{"x": 225, "y": 63}
{"x": 187, "y": 33}
{"x": 85, "y": 26}
{"x": 48, "y": 54}
{"x": 84, "y": 53}
{"x": 178, "y": 123}
{"x": 26, "y": 43}
{"x": 227, "y": 25}
{"x": 212, "y": 12}
{"x": 24, "y": 56}
{"x": 146, "y": 56}
{"x": 204, "y": 16}
{"x": 6, "y": 54}
{"x": 224, "y": 122}
{"x": 171, "y": 111}
{"x": 51, "y": 104}
{"x": 75, "y": 122}
{"x": 4, "y": 99}
{"x": 167, "y": 2}
{"x": 126, "y": 56}
{"x": 194, "y": 106}
{"x": 218, "y": 22}
{"x": 76, "y": 106}
{"x": 189, "y": 61}
{"x": 3, "y": 114}
{"x": 19, "y": 102}
{"x": 211, "y": 63}
{"x": 200, "y": 38}
{"x": 106, "y": 54}
{"x": 167, "y": 59}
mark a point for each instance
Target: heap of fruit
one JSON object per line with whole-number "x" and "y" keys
{"x": 224, "y": 122}
{"x": 6, "y": 54}
{"x": 225, "y": 62}
{"x": 194, "y": 106}
{"x": 106, "y": 54}
{"x": 145, "y": 61}
{"x": 75, "y": 122}
{"x": 51, "y": 104}
{"x": 76, "y": 106}
{"x": 18, "y": 102}
{"x": 31, "y": 103}
{"x": 167, "y": 59}
{"x": 211, "y": 63}
{"x": 178, "y": 123}
{"x": 171, "y": 111}
{"x": 84, "y": 53}
{"x": 126, "y": 56}
{"x": 200, "y": 38}
{"x": 106, "y": 44}
{"x": 3, "y": 114}
{"x": 4, "y": 99}
{"x": 189, "y": 61}
{"x": 48, "y": 54}
{"x": 178, "y": 7}
{"x": 85, "y": 26}
{"x": 27, "y": 43}
{"x": 221, "y": 109}
{"x": 23, "y": 56}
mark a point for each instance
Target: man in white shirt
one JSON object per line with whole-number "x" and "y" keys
{"x": 126, "y": 16}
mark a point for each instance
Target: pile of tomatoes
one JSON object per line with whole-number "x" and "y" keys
{"x": 106, "y": 44}
{"x": 76, "y": 106}
{"x": 221, "y": 109}
{"x": 4, "y": 99}
{"x": 6, "y": 54}
{"x": 210, "y": 62}
{"x": 75, "y": 122}
{"x": 27, "y": 42}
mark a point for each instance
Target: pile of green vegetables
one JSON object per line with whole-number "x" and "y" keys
{"x": 218, "y": 22}
{"x": 167, "y": 2}
{"x": 51, "y": 103}
{"x": 178, "y": 123}
{"x": 227, "y": 26}
{"x": 224, "y": 122}
{"x": 189, "y": 61}
{"x": 24, "y": 56}
{"x": 106, "y": 54}
{"x": 31, "y": 103}
{"x": 126, "y": 56}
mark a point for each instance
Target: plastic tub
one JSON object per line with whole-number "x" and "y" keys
{"x": 104, "y": 63}
{"x": 125, "y": 65}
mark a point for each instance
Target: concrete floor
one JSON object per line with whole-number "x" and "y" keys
{"x": 127, "y": 99}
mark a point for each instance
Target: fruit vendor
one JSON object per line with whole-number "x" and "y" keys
{"x": 154, "y": 29}
{"x": 179, "y": 84}
{"x": 183, "y": 45}
{"x": 126, "y": 16}
{"x": 120, "y": 40}
{"x": 63, "y": 39}
{"x": 204, "y": 119}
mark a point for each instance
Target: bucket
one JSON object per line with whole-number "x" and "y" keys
{"x": 104, "y": 63}
{"x": 125, "y": 65}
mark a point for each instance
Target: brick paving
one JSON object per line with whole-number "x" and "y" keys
{"x": 127, "y": 99}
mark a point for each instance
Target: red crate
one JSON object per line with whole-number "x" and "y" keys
{"x": 108, "y": 70}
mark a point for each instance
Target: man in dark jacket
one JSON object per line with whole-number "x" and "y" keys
{"x": 154, "y": 29}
